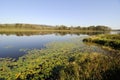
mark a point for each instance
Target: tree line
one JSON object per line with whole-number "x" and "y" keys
{"x": 57, "y": 27}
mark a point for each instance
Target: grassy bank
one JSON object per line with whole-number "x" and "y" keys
{"x": 47, "y": 30}
{"x": 65, "y": 60}
{"x": 111, "y": 40}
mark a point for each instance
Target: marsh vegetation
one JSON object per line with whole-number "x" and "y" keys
{"x": 110, "y": 40}
{"x": 63, "y": 61}
{"x": 58, "y": 55}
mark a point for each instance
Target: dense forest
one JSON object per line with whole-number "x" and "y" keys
{"x": 48, "y": 27}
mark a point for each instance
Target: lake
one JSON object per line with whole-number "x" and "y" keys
{"x": 13, "y": 44}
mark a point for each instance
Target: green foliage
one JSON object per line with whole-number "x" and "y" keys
{"x": 111, "y": 40}
{"x": 66, "y": 60}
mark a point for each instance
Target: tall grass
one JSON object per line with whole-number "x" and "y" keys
{"x": 111, "y": 40}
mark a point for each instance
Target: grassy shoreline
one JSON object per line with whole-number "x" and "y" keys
{"x": 27, "y": 30}
{"x": 110, "y": 40}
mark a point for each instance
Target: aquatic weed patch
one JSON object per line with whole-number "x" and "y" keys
{"x": 64, "y": 60}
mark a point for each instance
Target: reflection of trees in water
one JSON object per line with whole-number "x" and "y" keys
{"x": 79, "y": 33}
{"x": 62, "y": 33}
{"x": 24, "y": 33}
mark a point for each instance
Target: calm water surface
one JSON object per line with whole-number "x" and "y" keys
{"x": 11, "y": 44}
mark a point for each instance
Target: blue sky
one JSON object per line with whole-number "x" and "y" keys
{"x": 58, "y": 12}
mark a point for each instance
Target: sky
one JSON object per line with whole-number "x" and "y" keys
{"x": 61, "y": 12}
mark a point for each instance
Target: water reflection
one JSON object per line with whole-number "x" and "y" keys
{"x": 115, "y": 32}
{"x": 50, "y": 32}
{"x": 12, "y": 42}
{"x": 11, "y": 45}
